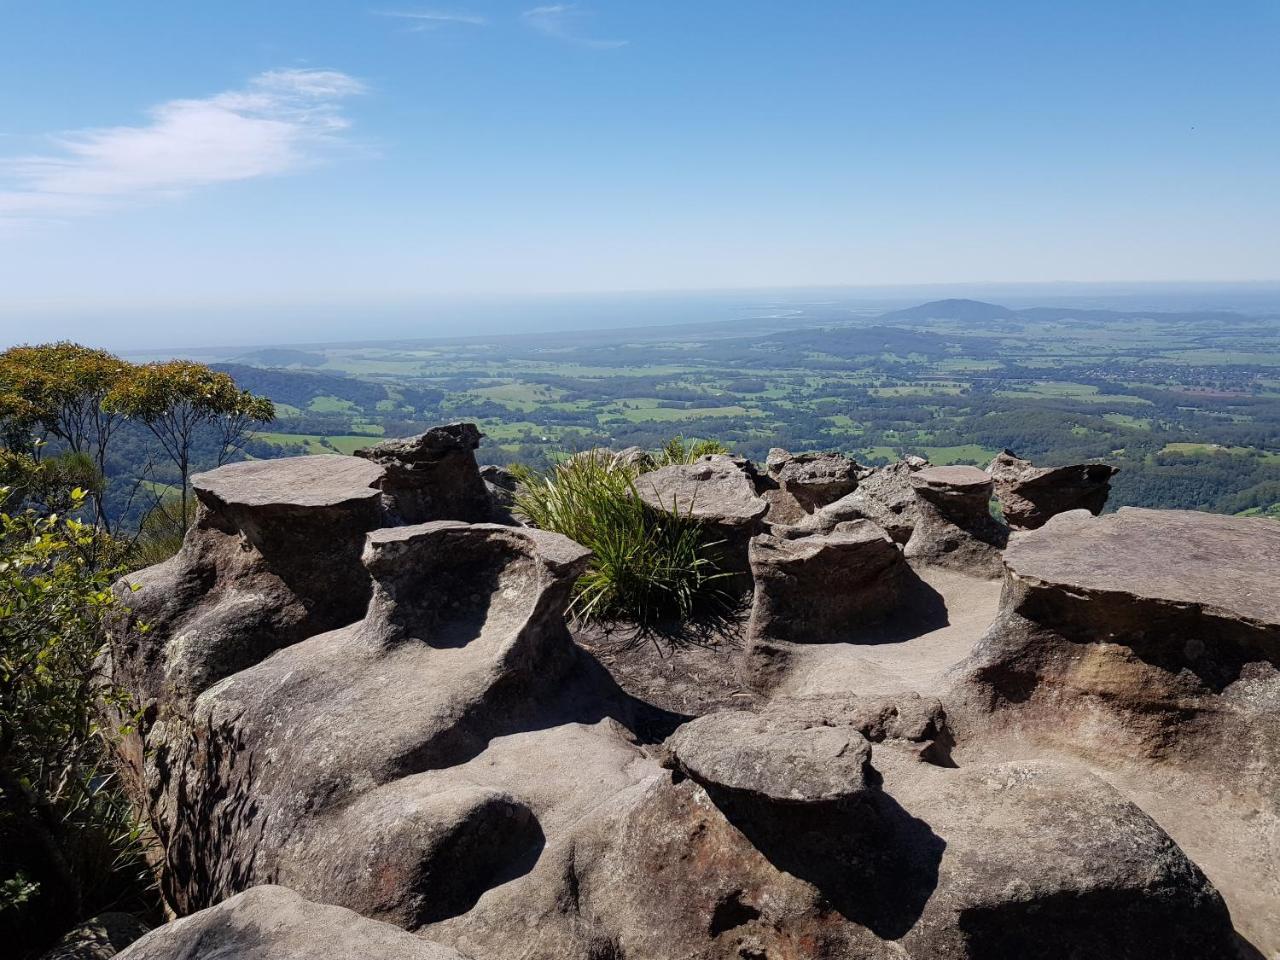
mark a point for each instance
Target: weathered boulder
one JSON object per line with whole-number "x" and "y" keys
{"x": 894, "y": 859}
{"x": 954, "y": 527}
{"x": 501, "y": 485}
{"x": 274, "y": 923}
{"x": 772, "y": 759}
{"x": 884, "y": 496}
{"x": 432, "y": 476}
{"x": 825, "y": 588}
{"x": 98, "y": 938}
{"x": 1147, "y": 642}
{"x": 1146, "y": 633}
{"x": 1030, "y": 495}
{"x": 273, "y": 557}
{"x": 717, "y": 491}
{"x": 807, "y": 481}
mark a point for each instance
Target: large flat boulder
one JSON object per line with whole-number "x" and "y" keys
{"x": 1147, "y": 642}
{"x": 1030, "y": 495}
{"x": 273, "y": 557}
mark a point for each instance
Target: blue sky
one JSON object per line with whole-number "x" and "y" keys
{"x": 160, "y": 161}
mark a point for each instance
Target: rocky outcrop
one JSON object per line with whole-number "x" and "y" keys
{"x": 331, "y": 752}
{"x": 274, "y": 923}
{"x": 884, "y": 496}
{"x": 716, "y": 491}
{"x": 954, "y": 527}
{"x": 804, "y": 482}
{"x": 1030, "y": 495}
{"x": 785, "y": 836}
{"x": 273, "y": 557}
{"x": 432, "y": 476}
{"x": 825, "y": 588}
{"x": 1147, "y": 633}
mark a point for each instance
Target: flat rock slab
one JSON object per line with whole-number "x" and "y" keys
{"x": 775, "y": 759}
{"x": 960, "y": 479}
{"x": 327, "y": 480}
{"x": 714, "y": 490}
{"x": 1227, "y": 566}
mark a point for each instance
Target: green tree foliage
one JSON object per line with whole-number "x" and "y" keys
{"x": 59, "y": 390}
{"x": 178, "y": 398}
{"x": 69, "y": 845}
{"x": 649, "y": 567}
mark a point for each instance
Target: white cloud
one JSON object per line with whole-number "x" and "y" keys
{"x": 434, "y": 19}
{"x": 274, "y": 125}
{"x": 557, "y": 19}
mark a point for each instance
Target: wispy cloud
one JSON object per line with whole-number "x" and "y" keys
{"x": 558, "y": 20}
{"x": 434, "y": 19}
{"x": 277, "y": 123}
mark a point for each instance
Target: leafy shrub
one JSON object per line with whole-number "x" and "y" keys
{"x": 678, "y": 450}
{"x": 69, "y": 844}
{"x": 649, "y": 567}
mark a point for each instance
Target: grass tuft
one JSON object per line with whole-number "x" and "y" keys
{"x": 649, "y": 567}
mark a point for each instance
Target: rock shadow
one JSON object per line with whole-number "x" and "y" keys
{"x": 871, "y": 860}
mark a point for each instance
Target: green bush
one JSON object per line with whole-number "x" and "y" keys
{"x": 649, "y": 567}
{"x": 69, "y": 843}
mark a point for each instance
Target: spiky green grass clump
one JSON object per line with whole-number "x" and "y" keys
{"x": 650, "y": 567}
{"x": 679, "y": 450}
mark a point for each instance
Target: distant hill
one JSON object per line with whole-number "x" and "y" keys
{"x": 282, "y": 357}
{"x": 974, "y": 311}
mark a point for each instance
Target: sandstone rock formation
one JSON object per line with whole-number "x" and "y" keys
{"x": 501, "y": 486}
{"x": 274, "y": 923}
{"x": 864, "y": 851}
{"x": 807, "y": 481}
{"x": 1030, "y": 495}
{"x": 446, "y": 760}
{"x": 273, "y": 557}
{"x": 954, "y": 527}
{"x": 1148, "y": 641}
{"x": 884, "y": 496}
{"x": 717, "y": 491}
{"x": 432, "y": 476}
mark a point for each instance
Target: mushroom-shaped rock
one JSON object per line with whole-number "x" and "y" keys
{"x": 274, "y": 923}
{"x": 717, "y": 491}
{"x": 809, "y": 480}
{"x": 432, "y": 476}
{"x": 773, "y": 759}
{"x": 825, "y": 588}
{"x": 1030, "y": 495}
{"x": 302, "y": 764}
{"x": 954, "y": 526}
{"x": 273, "y": 557}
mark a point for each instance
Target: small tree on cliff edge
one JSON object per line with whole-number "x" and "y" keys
{"x": 178, "y": 399}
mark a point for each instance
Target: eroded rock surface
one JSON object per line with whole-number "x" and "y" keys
{"x": 884, "y": 496}
{"x": 888, "y": 859}
{"x": 954, "y": 527}
{"x": 274, "y": 923}
{"x": 1030, "y": 495}
{"x": 807, "y": 481}
{"x": 432, "y": 476}
{"x": 273, "y": 557}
